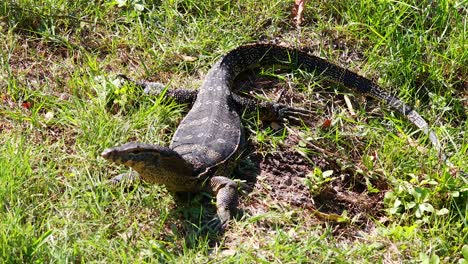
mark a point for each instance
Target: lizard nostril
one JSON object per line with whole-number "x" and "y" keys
{"x": 106, "y": 153}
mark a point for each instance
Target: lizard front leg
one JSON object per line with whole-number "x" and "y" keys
{"x": 130, "y": 176}
{"x": 180, "y": 96}
{"x": 227, "y": 198}
{"x": 269, "y": 111}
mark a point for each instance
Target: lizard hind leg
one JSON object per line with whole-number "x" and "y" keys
{"x": 227, "y": 198}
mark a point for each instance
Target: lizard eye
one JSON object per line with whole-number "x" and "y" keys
{"x": 152, "y": 157}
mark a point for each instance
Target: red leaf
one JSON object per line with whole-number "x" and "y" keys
{"x": 326, "y": 123}
{"x": 26, "y": 105}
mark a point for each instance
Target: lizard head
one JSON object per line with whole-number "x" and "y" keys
{"x": 153, "y": 163}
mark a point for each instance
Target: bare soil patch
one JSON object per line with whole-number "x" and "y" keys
{"x": 281, "y": 183}
{"x": 282, "y": 173}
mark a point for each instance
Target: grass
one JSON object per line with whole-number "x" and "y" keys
{"x": 58, "y": 60}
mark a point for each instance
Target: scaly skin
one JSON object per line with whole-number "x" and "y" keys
{"x": 162, "y": 165}
{"x": 211, "y": 132}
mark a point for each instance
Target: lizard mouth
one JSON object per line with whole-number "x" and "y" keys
{"x": 118, "y": 157}
{"x": 109, "y": 154}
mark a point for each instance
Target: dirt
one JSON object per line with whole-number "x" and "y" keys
{"x": 282, "y": 174}
{"x": 281, "y": 182}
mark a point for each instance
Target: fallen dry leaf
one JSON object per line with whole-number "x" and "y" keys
{"x": 49, "y": 115}
{"x": 350, "y": 106}
{"x": 297, "y": 11}
{"x": 188, "y": 58}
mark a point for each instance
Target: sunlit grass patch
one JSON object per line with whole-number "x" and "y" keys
{"x": 61, "y": 105}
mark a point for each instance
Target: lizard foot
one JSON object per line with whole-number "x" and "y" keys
{"x": 149, "y": 88}
{"x": 130, "y": 176}
{"x": 289, "y": 113}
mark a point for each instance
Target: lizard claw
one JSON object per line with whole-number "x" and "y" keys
{"x": 130, "y": 176}
{"x": 149, "y": 88}
{"x": 152, "y": 88}
{"x": 217, "y": 225}
{"x": 125, "y": 77}
{"x": 291, "y": 113}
